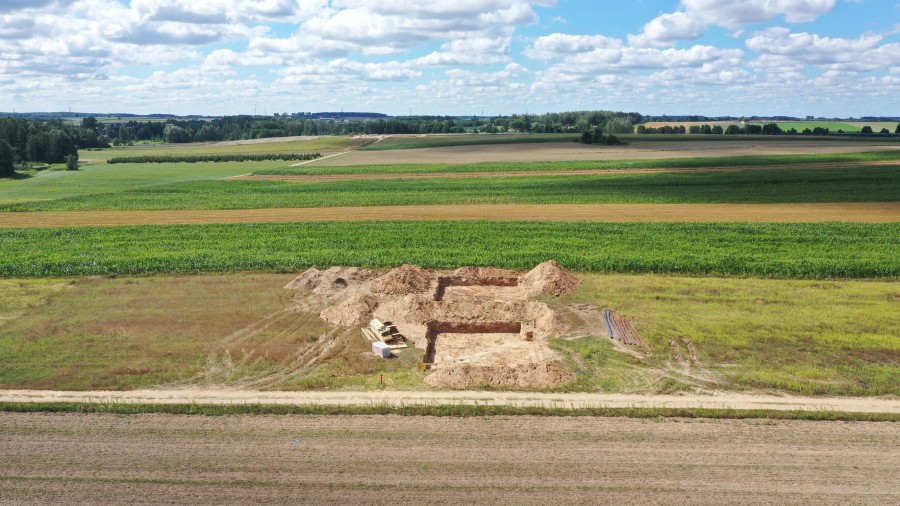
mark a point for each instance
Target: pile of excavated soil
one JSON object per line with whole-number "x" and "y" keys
{"x": 549, "y": 278}
{"x": 355, "y": 311}
{"x": 485, "y": 272}
{"x": 535, "y": 375}
{"x": 411, "y": 308}
{"x": 330, "y": 281}
{"x": 403, "y": 280}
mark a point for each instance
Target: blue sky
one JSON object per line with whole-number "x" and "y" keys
{"x": 712, "y": 57}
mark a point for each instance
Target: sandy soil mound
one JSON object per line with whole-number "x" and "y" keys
{"x": 355, "y": 311}
{"x": 537, "y": 375}
{"x": 412, "y": 308}
{"x": 547, "y": 320}
{"x": 331, "y": 281}
{"x": 549, "y": 278}
{"x": 485, "y": 272}
{"x": 403, "y": 280}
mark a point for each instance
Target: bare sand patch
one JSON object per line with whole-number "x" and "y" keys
{"x": 866, "y": 212}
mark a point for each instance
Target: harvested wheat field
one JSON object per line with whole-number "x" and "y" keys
{"x": 877, "y": 212}
{"x": 574, "y": 151}
{"x": 91, "y": 458}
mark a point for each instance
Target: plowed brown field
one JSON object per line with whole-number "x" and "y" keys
{"x": 79, "y": 458}
{"x": 879, "y": 212}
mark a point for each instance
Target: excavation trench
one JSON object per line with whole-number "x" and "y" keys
{"x": 433, "y": 329}
{"x": 445, "y": 282}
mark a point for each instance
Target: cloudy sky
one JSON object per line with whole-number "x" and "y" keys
{"x": 740, "y": 57}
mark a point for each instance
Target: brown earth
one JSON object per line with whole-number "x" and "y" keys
{"x": 403, "y": 280}
{"x": 109, "y": 459}
{"x": 549, "y": 278}
{"x": 573, "y": 151}
{"x": 535, "y": 173}
{"x": 475, "y": 346}
{"x": 869, "y": 212}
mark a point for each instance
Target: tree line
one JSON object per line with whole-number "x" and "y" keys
{"x": 749, "y": 129}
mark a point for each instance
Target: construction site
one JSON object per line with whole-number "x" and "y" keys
{"x": 472, "y": 327}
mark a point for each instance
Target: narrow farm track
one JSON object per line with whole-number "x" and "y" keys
{"x": 579, "y": 172}
{"x": 222, "y": 396}
{"x": 877, "y": 212}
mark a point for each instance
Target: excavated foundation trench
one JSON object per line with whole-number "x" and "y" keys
{"x": 433, "y": 329}
{"x": 445, "y": 282}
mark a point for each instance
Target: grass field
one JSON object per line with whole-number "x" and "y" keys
{"x": 114, "y": 178}
{"x": 859, "y": 184}
{"x": 822, "y": 250}
{"x": 809, "y": 337}
{"x": 803, "y": 337}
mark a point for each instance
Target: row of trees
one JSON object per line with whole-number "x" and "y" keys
{"x": 746, "y": 129}
{"x": 253, "y": 127}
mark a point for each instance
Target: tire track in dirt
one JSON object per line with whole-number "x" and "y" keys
{"x": 869, "y": 212}
{"x": 225, "y": 396}
{"x": 537, "y": 173}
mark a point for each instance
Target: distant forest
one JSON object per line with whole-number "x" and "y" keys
{"x": 26, "y": 140}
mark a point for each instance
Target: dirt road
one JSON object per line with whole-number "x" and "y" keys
{"x": 878, "y": 212}
{"x": 406, "y": 398}
{"x": 155, "y": 459}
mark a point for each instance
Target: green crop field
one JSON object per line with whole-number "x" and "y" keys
{"x": 74, "y": 187}
{"x": 50, "y": 185}
{"x": 449, "y": 140}
{"x": 858, "y": 184}
{"x": 663, "y": 163}
{"x": 765, "y": 250}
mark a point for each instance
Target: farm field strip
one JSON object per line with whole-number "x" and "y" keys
{"x": 403, "y": 398}
{"x": 789, "y": 186}
{"x": 255, "y": 146}
{"x": 90, "y": 458}
{"x": 878, "y": 212}
{"x": 785, "y": 250}
{"x": 287, "y": 175}
{"x": 659, "y": 148}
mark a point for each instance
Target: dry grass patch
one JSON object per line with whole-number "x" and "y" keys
{"x": 133, "y": 332}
